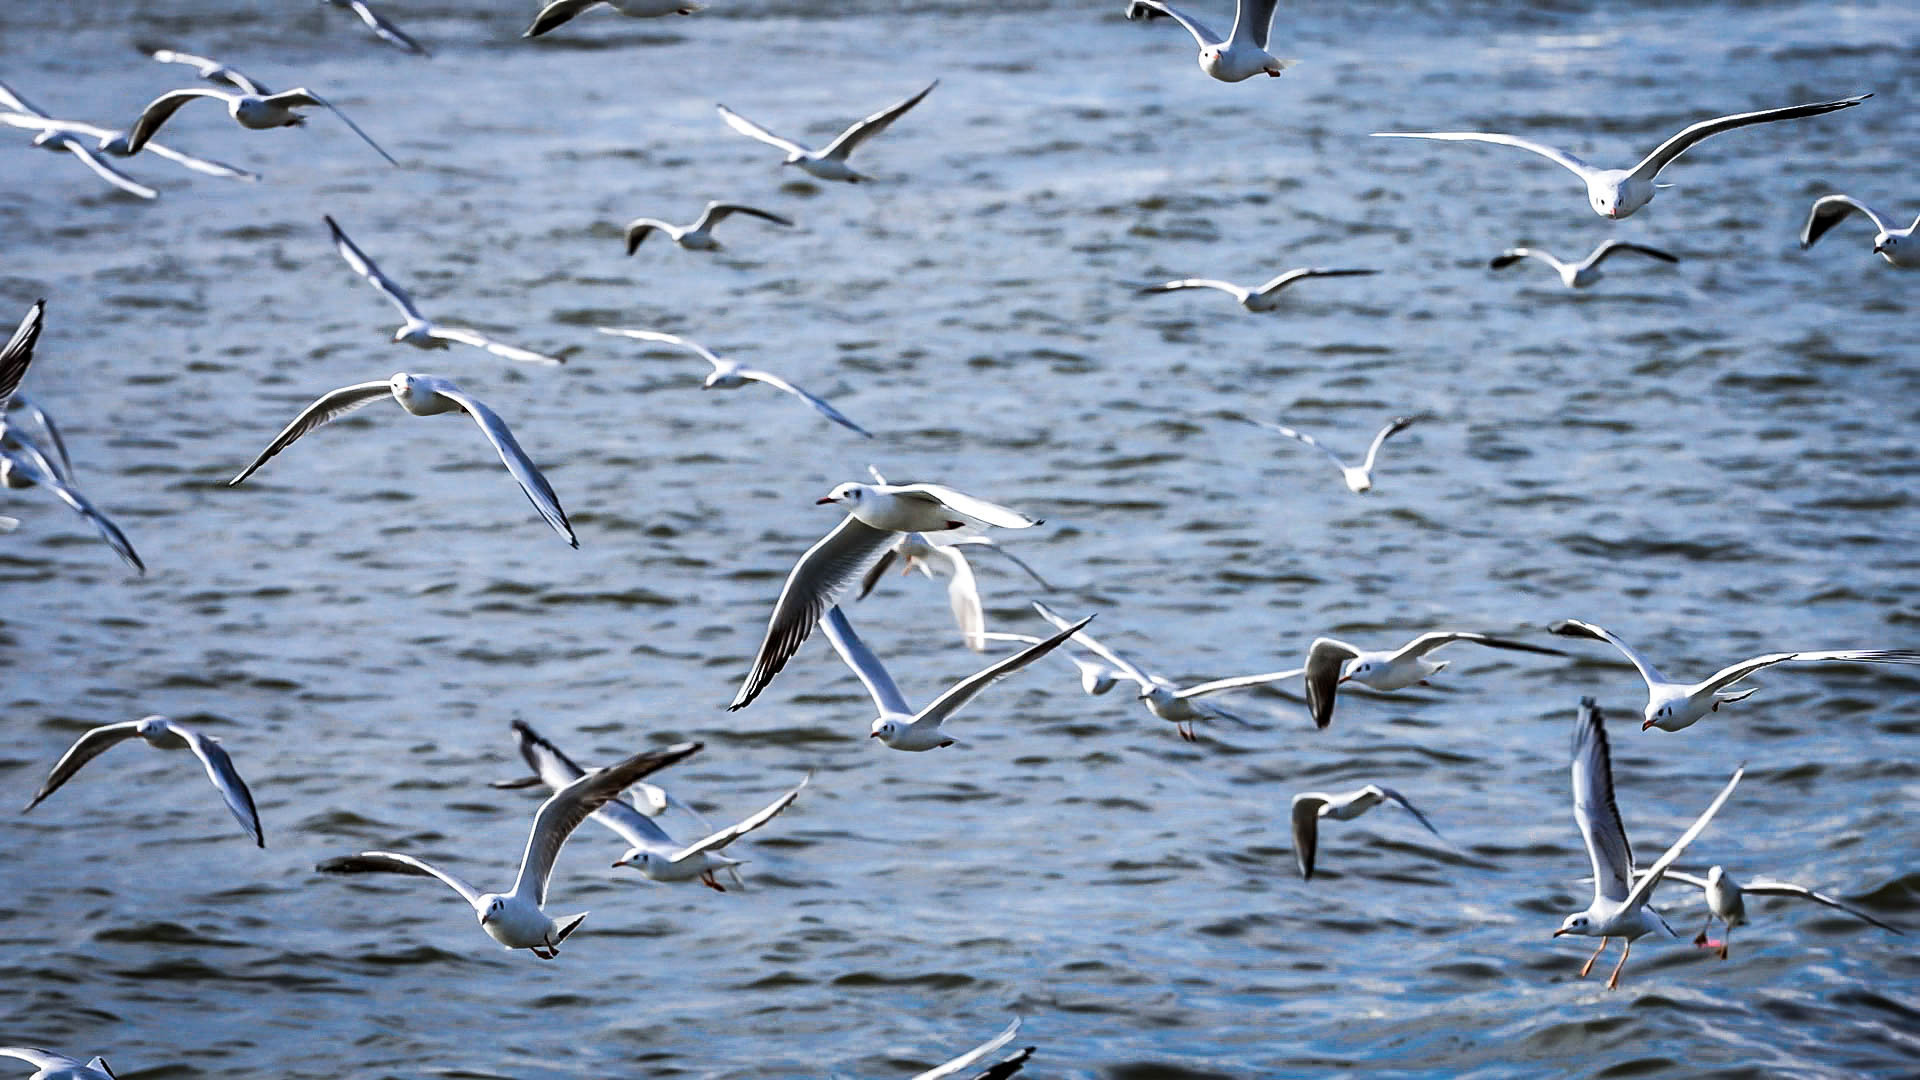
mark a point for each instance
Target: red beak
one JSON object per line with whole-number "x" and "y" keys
{"x": 1557, "y": 933}
{"x": 873, "y": 734}
{"x": 1646, "y": 725}
{"x": 823, "y": 500}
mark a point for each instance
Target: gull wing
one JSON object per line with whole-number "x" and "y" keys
{"x": 392, "y": 862}
{"x": 1606, "y": 250}
{"x": 64, "y": 470}
{"x": 1426, "y": 643}
{"x": 466, "y": 335}
{"x": 734, "y": 832}
{"x": 1577, "y": 628}
{"x": 1559, "y": 157}
{"x": 1769, "y": 887}
{"x": 871, "y": 579}
{"x": 819, "y": 405}
{"x": 1325, "y": 658}
{"x": 558, "y": 13}
{"x": 873, "y": 125}
{"x": 873, "y": 674}
{"x": 1731, "y": 674}
{"x": 107, "y": 172}
{"x": 1663, "y": 155}
{"x": 211, "y": 70}
{"x": 1394, "y": 426}
{"x": 1202, "y": 33}
{"x": 300, "y": 95}
{"x": 972, "y": 1055}
{"x": 370, "y": 270}
{"x": 963, "y": 599}
{"x": 754, "y": 131}
{"x": 823, "y": 572}
{"x": 665, "y": 339}
{"x": 1594, "y": 809}
{"x": 1239, "y": 681}
{"x": 1831, "y": 210}
{"x": 969, "y": 506}
{"x": 1645, "y": 886}
{"x": 556, "y": 770}
{"x": 1401, "y": 800}
{"x": 1227, "y": 287}
{"x": 565, "y": 809}
{"x": 531, "y": 480}
{"x": 1299, "y": 436}
{"x": 40, "y": 1059}
{"x": 1125, "y": 667}
{"x": 637, "y": 231}
{"x": 10, "y": 99}
{"x": 991, "y": 545}
{"x": 213, "y": 757}
{"x": 1513, "y": 255}
{"x": 716, "y": 212}
{"x": 197, "y": 164}
{"x": 17, "y": 354}
{"x": 331, "y": 406}
{"x": 383, "y": 27}
{"x": 957, "y": 695}
{"x": 161, "y": 109}
{"x": 1291, "y": 276}
{"x": 89, "y": 746}
{"x": 1252, "y": 19}
{"x": 32, "y": 464}
{"x": 1306, "y": 829}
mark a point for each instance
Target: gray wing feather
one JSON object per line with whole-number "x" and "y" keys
{"x": 873, "y": 125}
{"x": 970, "y": 687}
{"x": 1594, "y": 809}
{"x": 392, "y": 862}
{"x": 822, "y": 573}
{"x": 731, "y": 833}
{"x": 331, "y": 406}
{"x": 872, "y": 673}
{"x": 1663, "y": 155}
{"x": 973, "y": 1055}
{"x": 89, "y": 746}
{"x": 213, "y": 757}
{"x": 565, "y": 809}
{"x": 532, "y": 481}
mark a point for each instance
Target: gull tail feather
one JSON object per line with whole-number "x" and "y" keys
{"x": 567, "y": 925}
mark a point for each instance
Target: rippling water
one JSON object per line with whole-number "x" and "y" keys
{"x": 1715, "y": 459}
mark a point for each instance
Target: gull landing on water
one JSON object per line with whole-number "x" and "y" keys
{"x": 728, "y": 374}
{"x": 516, "y": 918}
{"x": 831, "y": 163}
{"x": 1616, "y": 193}
{"x": 1672, "y": 706}
{"x": 1725, "y": 902}
{"x": 250, "y": 104}
{"x": 1239, "y": 55}
{"x": 1901, "y": 247}
{"x": 52, "y": 1066}
{"x": 162, "y": 733}
{"x": 560, "y": 12}
{"x": 875, "y": 512}
{"x": 1265, "y": 297}
{"x": 649, "y": 849}
{"x": 1331, "y": 662}
{"x": 1310, "y": 806}
{"x": 425, "y": 395}
{"x": 1359, "y": 479}
{"x": 420, "y": 331}
{"x": 1577, "y": 275}
{"x": 1620, "y": 907}
{"x": 699, "y": 235}
{"x": 901, "y": 727}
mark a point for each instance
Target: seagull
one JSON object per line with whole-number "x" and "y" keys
{"x": 1897, "y": 246}
{"x": 651, "y": 800}
{"x": 250, "y": 104}
{"x": 831, "y": 163}
{"x": 1263, "y": 298}
{"x": 1310, "y": 806}
{"x": 699, "y": 235}
{"x": 515, "y": 918}
{"x": 1240, "y": 55}
{"x": 1581, "y": 274}
{"x": 1331, "y": 662}
{"x": 22, "y": 464}
{"x": 1620, "y": 908}
{"x": 52, "y": 1066}
{"x": 978, "y": 1052}
{"x": 1359, "y": 480}
{"x": 382, "y": 27}
{"x": 875, "y": 512}
{"x": 899, "y": 726}
{"x": 64, "y": 134}
{"x": 60, "y": 136}
{"x": 426, "y": 395}
{"x": 728, "y": 374}
{"x": 650, "y": 850}
{"x": 1617, "y": 193}
{"x": 562, "y": 11}
{"x": 1177, "y": 706}
{"x": 161, "y": 733}
{"x": 1725, "y": 901}
{"x": 420, "y": 331}
{"x": 1672, "y": 706}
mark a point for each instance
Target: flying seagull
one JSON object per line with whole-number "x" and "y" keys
{"x": 699, "y": 235}
{"x": 1310, "y": 806}
{"x": 1578, "y": 275}
{"x": 1331, "y": 662}
{"x": 729, "y": 374}
{"x": 1897, "y": 246}
{"x": 831, "y": 163}
{"x": 560, "y": 12}
{"x": 162, "y": 733}
{"x": 252, "y": 109}
{"x": 1725, "y": 901}
{"x": 1264, "y": 297}
{"x": 1239, "y": 55}
{"x": 1359, "y": 479}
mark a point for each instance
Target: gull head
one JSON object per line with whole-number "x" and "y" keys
{"x": 850, "y": 494}
{"x": 1885, "y": 244}
{"x": 1576, "y": 923}
{"x": 1359, "y": 669}
{"x": 1665, "y": 716}
{"x": 636, "y": 858}
{"x": 491, "y": 910}
{"x": 884, "y": 729}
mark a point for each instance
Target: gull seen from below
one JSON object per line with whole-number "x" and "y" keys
{"x": 1617, "y": 193}
{"x": 729, "y": 374}
{"x": 516, "y": 918}
{"x": 1310, "y": 806}
{"x": 1578, "y": 275}
{"x": 426, "y": 395}
{"x": 162, "y": 733}
{"x": 1265, "y": 297}
{"x": 1236, "y": 56}
{"x": 1900, "y": 247}
{"x": 1725, "y": 901}
{"x": 1359, "y": 478}
{"x": 830, "y": 163}
{"x": 699, "y": 235}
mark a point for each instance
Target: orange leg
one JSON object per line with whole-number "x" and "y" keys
{"x": 1588, "y": 966}
{"x": 1613, "y": 980}
{"x": 707, "y": 880}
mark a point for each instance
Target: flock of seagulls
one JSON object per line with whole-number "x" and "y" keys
{"x": 917, "y": 525}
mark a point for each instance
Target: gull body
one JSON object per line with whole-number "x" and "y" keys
{"x": 1177, "y": 706}
{"x": 1617, "y": 193}
{"x": 162, "y": 733}
{"x": 650, "y": 850}
{"x": 1331, "y": 662}
{"x": 418, "y": 330}
{"x": 1359, "y": 478}
{"x": 1620, "y": 907}
{"x": 699, "y": 235}
{"x": 1310, "y": 806}
{"x": 1263, "y": 297}
{"x": 1578, "y": 275}
{"x": 831, "y": 162}
{"x": 996, "y": 1072}
{"x": 730, "y": 374}
{"x": 1726, "y": 901}
{"x": 517, "y": 918}
{"x": 1900, "y": 247}
{"x": 382, "y": 27}
{"x": 874, "y": 513}
{"x": 1234, "y": 57}
{"x": 902, "y": 727}
{"x": 560, "y": 12}
{"x": 51, "y": 1066}
{"x": 426, "y": 395}
{"x": 1672, "y": 706}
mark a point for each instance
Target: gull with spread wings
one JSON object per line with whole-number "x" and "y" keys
{"x": 250, "y": 104}
{"x": 699, "y": 235}
{"x": 730, "y": 374}
{"x": 1239, "y": 55}
{"x": 1264, "y": 297}
{"x": 1578, "y": 275}
{"x": 1359, "y": 478}
{"x": 162, "y": 733}
{"x": 1331, "y": 662}
{"x": 1900, "y": 247}
{"x": 830, "y": 163}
